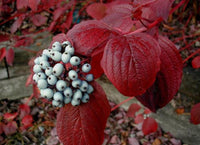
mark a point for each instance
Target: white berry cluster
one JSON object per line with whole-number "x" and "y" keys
{"x": 61, "y": 76}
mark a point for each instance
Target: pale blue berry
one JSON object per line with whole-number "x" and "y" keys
{"x": 77, "y": 95}
{"x": 76, "y": 83}
{"x": 42, "y": 84}
{"x": 43, "y": 58}
{"x": 56, "y": 46}
{"x": 41, "y": 75}
{"x": 84, "y": 86}
{"x": 60, "y": 105}
{"x": 68, "y": 92}
{"x": 69, "y": 49}
{"x": 47, "y": 93}
{"x": 56, "y": 56}
{"x": 72, "y": 74}
{"x": 35, "y": 78}
{"x": 49, "y": 71}
{"x": 58, "y": 69}
{"x": 36, "y": 60}
{"x": 75, "y": 102}
{"x": 86, "y": 67}
{"x": 61, "y": 85}
{"x": 66, "y": 43}
{"x": 55, "y": 103}
{"x": 85, "y": 98}
{"x": 44, "y": 64}
{"x": 67, "y": 100}
{"x": 89, "y": 77}
{"x": 58, "y": 96}
{"x": 66, "y": 57}
{"x": 75, "y": 60}
{"x": 37, "y": 68}
{"x": 90, "y": 89}
{"x": 46, "y": 52}
{"x": 52, "y": 80}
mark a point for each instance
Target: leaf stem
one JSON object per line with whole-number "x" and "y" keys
{"x": 118, "y": 105}
{"x": 7, "y": 70}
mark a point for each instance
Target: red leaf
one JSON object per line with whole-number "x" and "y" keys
{"x": 133, "y": 141}
{"x": 69, "y": 19}
{"x": 133, "y": 109}
{"x": 17, "y": 24}
{"x": 1, "y": 128}
{"x": 60, "y": 38}
{"x": 10, "y": 116}
{"x": 168, "y": 79}
{"x": 24, "y": 110}
{"x": 27, "y": 121}
{"x": 2, "y": 53}
{"x": 33, "y": 4}
{"x": 139, "y": 118}
{"x": 196, "y": 62}
{"x": 38, "y": 20}
{"x": 4, "y": 37}
{"x": 58, "y": 12}
{"x": 147, "y": 111}
{"x": 96, "y": 10}
{"x": 22, "y": 4}
{"x": 84, "y": 124}
{"x": 120, "y": 17}
{"x": 149, "y": 126}
{"x": 131, "y": 63}
{"x": 88, "y": 35}
{"x": 10, "y": 128}
{"x": 10, "y": 56}
{"x": 195, "y": 114}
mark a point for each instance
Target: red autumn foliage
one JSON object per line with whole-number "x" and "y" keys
{"x": 10, "y": 127}
{"x": 10, "y": 56}
{"x": 27, "y": 121}
{"x": 133, "y": 109}
{"x": 195, "y": 114}
{"x": 10, "y": 116}
{"x": 196, "y": 62}
{"x": 149, "y": 126}
{"x": 84, "y": 124}
{"x": 24, "y": 110}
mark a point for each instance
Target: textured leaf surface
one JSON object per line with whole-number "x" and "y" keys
{"x": 10, "y": 56}
{"x": 17, "y": 24}
{"x": 96, "y": 10}
{"x": 27, "y": 121}
{"x": 131, "y": 63}
{"x": 38, "y": 20}
{"x": 149, "y": 126}
{"x": 84, "y": 124}
{"x": 4, "y": 37}
{"x": 22, "y": 4}
{"x": 33, "y": 4}
{"x": 88, "y": 35}
{"x": 168, "y": 79}
{"x": 133, "y": 109}
{"x": 195, "y": 114}
{"x": 196, "y": 62}
{"x": 10, "y": 116}
{"x": 24, "y": 110}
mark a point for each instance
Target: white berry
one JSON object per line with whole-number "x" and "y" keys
{"x": 42, "y": 84}
{"x": 84, "y": 86}
{"x": 90, "y": 89}
{"x": 75, "y": 102}
{"x": 58, "y": 96}
{"x": 37, "y": 68}
{"x": 77, "y": 95}
{"x": 89, "y": 77}
{"x": 73, "y": 75}
{"x": 41, "y": 75}
{"x": 61, "y": 85}
{"x": 35, "y": 78}
{"x": 56, "y": 46}
{"x": 46, "y": 52}
{"x": 67, "y": 100}
{"x": 55, "y": 103}
{"x": 43, "y": 58}
{"x": 85, "y": 98}
{"x": 66, "y": 43}
{"x": 75, "y": 60}
{"x": 56, "y": 56}
{"x": 47, "y": 93}
{"x": 76, "y": 83}
{"x": 52, "y": 79}
{"x": 58, "y": 69}
{"x": 48, "y": 71}
{"x": 44, "y": 64}
{"x": 86, "y": 67}
{"x": 65, "y": 57}
{"x": 68, "y": 92}
{"x": 36, "y": 60}
{"x": 69, "y": 49}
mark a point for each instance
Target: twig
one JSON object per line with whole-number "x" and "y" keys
{"x": 7, "y": 70}
{"x": 117, "y": 106}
